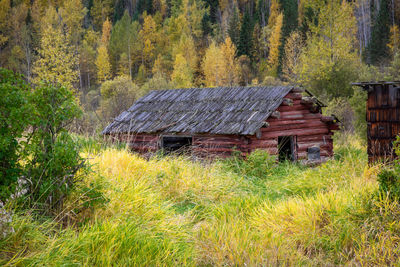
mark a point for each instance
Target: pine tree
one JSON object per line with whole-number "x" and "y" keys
{"x": 290, "y": 15}
{"x": 234, "y": 27}
{"x": 124, "y": 39}
{"x": 378, "y": 49}
{"x": 246, "y": 34}
{"x": 100, "y": 11}
{"x": 290, "y": 23}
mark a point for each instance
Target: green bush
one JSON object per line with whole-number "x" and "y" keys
{"x": 389, "y": 178}
{"x": 53, "y": 161}
{"x": 15, "y": 116}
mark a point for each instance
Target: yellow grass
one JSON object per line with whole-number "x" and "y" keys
{"x": 171, "y": 211}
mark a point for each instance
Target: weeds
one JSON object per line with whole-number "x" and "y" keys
{"x": 172, "y": 211}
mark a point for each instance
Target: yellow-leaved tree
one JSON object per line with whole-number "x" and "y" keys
{"x": 329, "y": 62}
{"x": 103, "y": 64}
{"x": 274, "y": 28}
{"x": 56, "y": 62}
{"x": 186, "y": 47}
{"x": 220, "y": 67}
{"x": 394, "y": 42}
{"x": 293, "y": 48}
{"x": 106, "y": 32}
{"x": 230, "y": 68}
{"x": 182, "y": 76}
{"x": 213, "y": 66}
{"x": 4, "y": 14}
{"x": 149, "y": 37}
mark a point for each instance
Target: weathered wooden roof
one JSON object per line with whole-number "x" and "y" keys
{"x": 222, "y": 110}
{"x": 370, "y": 86}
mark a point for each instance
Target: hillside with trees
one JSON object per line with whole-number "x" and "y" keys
{"x": 110, "y": 52}
{"x": 69, "y": 197}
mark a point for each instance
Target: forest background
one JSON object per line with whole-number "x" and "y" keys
{"x": 111, "y": 52}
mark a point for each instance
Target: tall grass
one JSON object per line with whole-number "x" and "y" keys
{"x": 172, "y": 211}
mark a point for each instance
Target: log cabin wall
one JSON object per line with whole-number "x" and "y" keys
{"x": 383, "y": 118}
{"x": 141, "y": 143}
{"x": 302, "y": 120}
{"x": 211, "y": 146}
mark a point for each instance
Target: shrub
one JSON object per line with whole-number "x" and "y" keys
{"x": 53, "y": 159}
{"x": 15, "y": 115}
{"x": 389, "y": 178}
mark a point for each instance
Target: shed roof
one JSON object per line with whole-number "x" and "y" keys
{"x": 369, "y": 86}
{"x": 221, "y": 110}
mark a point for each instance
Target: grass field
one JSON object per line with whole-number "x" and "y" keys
{"x": 172, "y": 211}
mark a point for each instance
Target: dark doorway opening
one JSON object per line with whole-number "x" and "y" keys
{"x": 176, "y": 144}
{"x": 286, "y": 148}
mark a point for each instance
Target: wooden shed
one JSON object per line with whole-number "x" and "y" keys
{"x": 383, "y": 118}
{"x": 209, "y": 122}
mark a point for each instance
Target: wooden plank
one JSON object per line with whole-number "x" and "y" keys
{"x": 311, "y": 124}
{"x": 294, "y": 107}
{"x": 307, "y": 138}
{"x": 266, "y": 142}
{"x": 298, "y": 132}
{"x": 218, "y": 142}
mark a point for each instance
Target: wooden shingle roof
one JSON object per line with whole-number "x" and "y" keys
{"x": 222, "y": 110}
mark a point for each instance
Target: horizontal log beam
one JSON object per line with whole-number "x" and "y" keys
{"x": 311, "y": 138}
{"x": 286, "y": 127}
{"x": 298, "y": 132}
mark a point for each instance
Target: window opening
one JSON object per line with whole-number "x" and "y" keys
{"x": 176, "y": 144}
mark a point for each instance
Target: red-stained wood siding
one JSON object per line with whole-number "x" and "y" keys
{"x": 296, "y": 120}
{"x": 383, "y": 117}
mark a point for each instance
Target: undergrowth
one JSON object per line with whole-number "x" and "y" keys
{"x": 173, "y": 211}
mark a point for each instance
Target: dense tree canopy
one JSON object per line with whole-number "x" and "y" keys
{"x": 82, "y": 44}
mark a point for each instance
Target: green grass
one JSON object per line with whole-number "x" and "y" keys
{"x": 172, "y": 211}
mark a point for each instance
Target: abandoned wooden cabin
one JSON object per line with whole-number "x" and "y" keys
{"x": 383, "y": 118}
{"x": 213, "y": 122}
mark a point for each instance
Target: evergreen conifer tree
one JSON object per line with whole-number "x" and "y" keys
{"x": 246, "y": 34}
{"x": 378, "y": 49}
